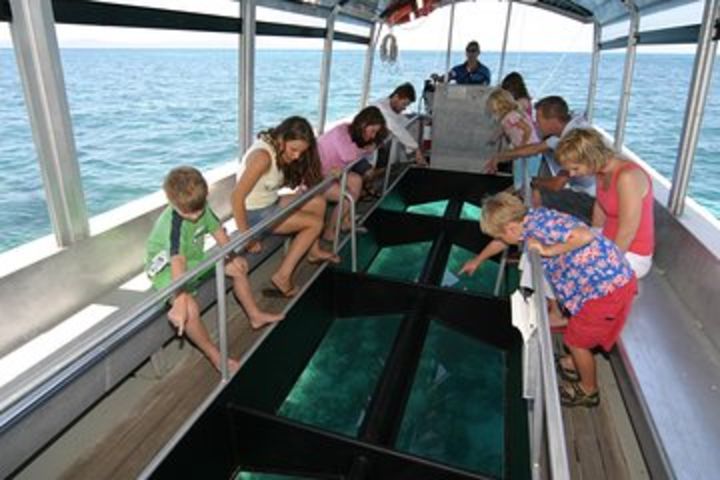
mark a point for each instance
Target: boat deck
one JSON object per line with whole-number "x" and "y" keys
{"x": 601, "y": 442}
{"x": 122, "y": 434}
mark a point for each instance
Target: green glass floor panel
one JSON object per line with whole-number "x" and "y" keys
{"x": 366, "y": 249}
{"x": 401, "y": 262}
{"x": 470, "y": 212}
{"x": 394, "y": 202}
{"x": 336, "y": 386}
{"x": 455, "y": 413}
{"x": 435, "y": 209}
{"x": 267, "y": 476}
{"x": 484, "y": 278}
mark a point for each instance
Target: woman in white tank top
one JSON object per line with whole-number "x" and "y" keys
{"x": 284, "y": 156}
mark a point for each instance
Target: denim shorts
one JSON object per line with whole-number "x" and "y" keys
{"x": 256, "y": 216}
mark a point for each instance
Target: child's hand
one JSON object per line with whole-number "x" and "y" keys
{"x": 254, "y": 246}
{"x": 178, "y": 314}
{"x": 470, "y": 267}
{"x": 535, "y": 245}
{"x": 491, "y": 165}
{"x": 420, "y": 159}
{"x": 237, "y": 267}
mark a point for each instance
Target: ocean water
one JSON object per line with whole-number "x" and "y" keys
{"x": 138, "y": 113}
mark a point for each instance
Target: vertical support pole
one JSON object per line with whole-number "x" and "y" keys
{"x": 368, "y": 68}
{"x": 353, "y": 233}
{"x": 594, "y": 69}
{"x": 508, "y": 18}
{"x": 325, "y": 69}
{"x": 222, "y": 318}
{"x": 450, "y": 34}
{"x": 247, "y": 74}
{"x": 392, "y": 155}
{"x": 38, "y": 56}
{"x": 697, "y": 96}
{"x": 338, "y": 221}
{"x": 628, "y": 74}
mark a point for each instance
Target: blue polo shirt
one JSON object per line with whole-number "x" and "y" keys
{"x": 479, "y": 76}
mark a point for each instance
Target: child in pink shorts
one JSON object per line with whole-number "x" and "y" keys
{"x": 589, "y": 274}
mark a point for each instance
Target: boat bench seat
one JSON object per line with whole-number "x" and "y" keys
{"x": 674, "y": 371}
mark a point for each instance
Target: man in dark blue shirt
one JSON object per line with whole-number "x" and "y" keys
{"x": 472, "y": 71}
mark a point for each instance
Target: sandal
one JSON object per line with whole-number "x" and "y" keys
{"x": 572, "y": 395}
{"x": 568, "y": 374}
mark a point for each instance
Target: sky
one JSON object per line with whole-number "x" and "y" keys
{"x": 532, "y": 29}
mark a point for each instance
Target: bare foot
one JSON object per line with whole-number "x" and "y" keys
{"x": 320, "y": 256}
{"x": 233, "y": 366}
{"x": 283, "y": 285}
{"x": 261, "y": 319}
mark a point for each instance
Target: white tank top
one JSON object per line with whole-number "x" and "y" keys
{"x": 265, "y": 191}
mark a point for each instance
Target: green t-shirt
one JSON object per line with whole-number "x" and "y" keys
{"x": 173, "y": 235}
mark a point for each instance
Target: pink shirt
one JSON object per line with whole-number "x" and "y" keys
{"x": 336, "y": 148}
{"x": 511, "y": 126}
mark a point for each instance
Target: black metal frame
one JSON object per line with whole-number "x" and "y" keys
{"x": 81, "y": 12}
{"x": 242, "y": 428}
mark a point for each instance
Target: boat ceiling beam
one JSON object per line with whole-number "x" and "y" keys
{"x": 38, "y": 56}
{"x": 112, "y": 15}
{"x": 687, "y": 34}
{"x": 697, "y": 98}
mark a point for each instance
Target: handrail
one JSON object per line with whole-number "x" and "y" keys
{"x": 549, "y": 397}
{"x": 547, "y": 416}
{"x": 21, "y": 395}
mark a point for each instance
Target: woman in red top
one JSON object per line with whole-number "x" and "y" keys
{"x": 624, "y": 200}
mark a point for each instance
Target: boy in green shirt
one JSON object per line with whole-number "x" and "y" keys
{"x": 176, "y": 245}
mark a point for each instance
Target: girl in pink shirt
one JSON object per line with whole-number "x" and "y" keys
{"x": 519, "y": 130}
{"x": 343, "y": 145}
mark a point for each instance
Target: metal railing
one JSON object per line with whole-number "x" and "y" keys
{"x": 546, "y": 429}
{"x": 21, "y": 395}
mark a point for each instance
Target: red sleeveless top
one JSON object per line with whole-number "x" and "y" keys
{"x": 644, "y": 241}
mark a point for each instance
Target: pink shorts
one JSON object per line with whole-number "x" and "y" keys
{"x": 601, "y": 320}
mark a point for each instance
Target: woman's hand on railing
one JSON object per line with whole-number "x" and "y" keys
{"x": 470, "y": 266}
{"x": 254, "y": 246}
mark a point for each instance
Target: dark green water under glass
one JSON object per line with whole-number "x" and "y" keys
{"x": 455, "y": 413}
{"x": 401, "y": 262}
{"x": 335, "y": 388}
{"x": 266, "y": 476}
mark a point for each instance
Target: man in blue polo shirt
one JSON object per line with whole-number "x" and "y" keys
{"x": 472, "y": 71}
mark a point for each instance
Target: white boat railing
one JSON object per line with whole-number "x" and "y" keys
{"x": 20, "y": 396}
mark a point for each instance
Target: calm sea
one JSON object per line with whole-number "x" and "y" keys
{"x": 137, "y": 113}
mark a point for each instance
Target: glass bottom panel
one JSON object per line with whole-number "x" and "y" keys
{"x": 484, "y": 278}
{"x": 394, "y": 202}
{"x": 470, "y": 212}
{"x": 267, "y": 476}
{"x": 336, "y": 386}
{"x": 401, "y": 262}
{"x": 435, "y": 209}
{"x": 455, "y": 413}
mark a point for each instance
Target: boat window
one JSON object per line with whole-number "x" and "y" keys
{"x": 143, "y": 101}
{"x": 705, "y": 179}
{"x": 25, "y": 214}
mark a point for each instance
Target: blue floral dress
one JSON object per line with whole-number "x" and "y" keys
{"x": 589, "y": 272}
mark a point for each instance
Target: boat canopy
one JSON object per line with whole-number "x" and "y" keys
{"x": 395, "y": 12}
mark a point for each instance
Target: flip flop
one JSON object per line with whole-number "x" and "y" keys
{"x": 572, "y": 395}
